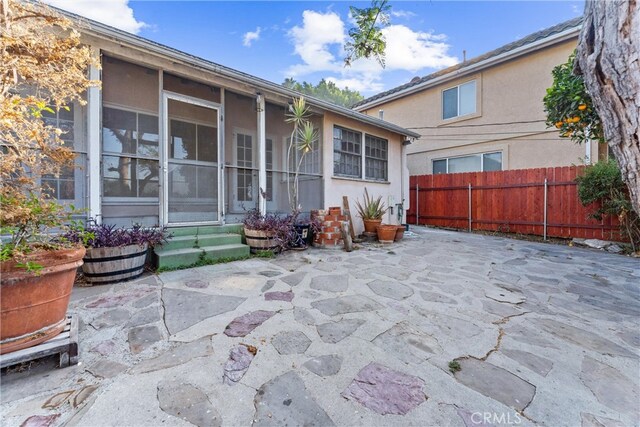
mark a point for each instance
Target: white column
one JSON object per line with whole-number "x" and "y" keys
{"x": 94, "y": 105}
{"x": 262, "y": 154}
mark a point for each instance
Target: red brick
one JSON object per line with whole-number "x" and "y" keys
{"x": 331, "y": 242}
{"x": 329, "y": 218}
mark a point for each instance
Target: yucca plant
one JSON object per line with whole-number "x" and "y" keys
{"x": 303, "y": 135}
{"x": 371, "y": 208}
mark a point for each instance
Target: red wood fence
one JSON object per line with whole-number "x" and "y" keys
{"x": 510, "y": 201}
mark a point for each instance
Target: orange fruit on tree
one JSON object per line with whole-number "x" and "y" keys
{"x": 558, "y": 125}
{"x": 582, "y": 107}
{"x": 576, "y": 119}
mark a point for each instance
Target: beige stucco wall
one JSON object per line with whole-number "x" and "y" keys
{"x": 510, "y": 92}
{"x": 337, "y": 187}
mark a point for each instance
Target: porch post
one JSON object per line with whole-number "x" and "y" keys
{"x": 262, "y": 153}
{"x": 94, "y": 103}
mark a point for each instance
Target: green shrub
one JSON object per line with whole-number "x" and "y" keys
{"x": 602, "y": 182}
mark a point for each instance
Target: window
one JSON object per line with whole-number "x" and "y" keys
{"x": 347, "y": 152}
{"x": 62, "y": 186}
{"x": 244, "y": 155}
{"x": 349, "y": 157}
{"x": 485, "y": 162}
{"x": 459, "y": 101}
{"x": 130, "y": 153}
{"x": 375, "y": 158}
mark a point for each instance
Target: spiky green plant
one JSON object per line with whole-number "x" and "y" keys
{"x": 303, "y": 135}
{"x": 371, "y": 208}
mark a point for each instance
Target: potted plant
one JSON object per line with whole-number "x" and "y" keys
{"x": 400, "y": 229}
{"x": 46, "y": 73}
{"x": 386, "y": 233}
{"x": 371, "y": 211}
{"x": 268, "y": 232}
{"x": 303, "y": 136}
{"x": 115, "y": 253}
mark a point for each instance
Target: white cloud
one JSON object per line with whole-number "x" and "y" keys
{"x": 314, "y": 39}
{"x": 399, "y": 13}
{"x": 115, "y": 13}
{"x": 319, "y": 44}
{"x": 411, "y": 50}
{"x": 251, "y": 36}
{"x": 371, "y": 84}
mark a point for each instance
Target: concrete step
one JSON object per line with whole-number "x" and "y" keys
{"x": 206, "y": 229}
{"x": 182, "y": 242}
{"x": 176, "y": 258}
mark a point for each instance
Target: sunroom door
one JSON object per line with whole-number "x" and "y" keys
{"x": 192, "y": 173}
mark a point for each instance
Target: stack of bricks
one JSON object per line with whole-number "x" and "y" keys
{"x": 330, "y": 235}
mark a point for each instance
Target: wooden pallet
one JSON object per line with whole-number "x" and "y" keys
{"x": 65, "y": 344}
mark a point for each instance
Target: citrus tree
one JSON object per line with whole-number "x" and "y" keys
{"x": 569, "y": 107}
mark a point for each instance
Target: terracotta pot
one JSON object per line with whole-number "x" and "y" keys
{"x": 371, "y": 224}
{"x": 33, "y": 307}
{"x": 386, "y": 233}
{"x": 399, "y": 233}
{"x": 105, "y": 265}
{"x": 259, "y": 240}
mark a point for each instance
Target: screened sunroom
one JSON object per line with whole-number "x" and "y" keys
{"x": 175, "y": 151}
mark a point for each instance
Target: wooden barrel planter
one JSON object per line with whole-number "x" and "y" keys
{"x": 105, "y": 265}
{"x": 33, "y": 307}
{"x": 259, "y": 240}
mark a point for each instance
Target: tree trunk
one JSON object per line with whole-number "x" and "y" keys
{"x": 608, "y": 57}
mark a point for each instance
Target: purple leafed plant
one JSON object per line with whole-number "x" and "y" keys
{"x": 108, "y": 235}
{"x": 280, "y": 227}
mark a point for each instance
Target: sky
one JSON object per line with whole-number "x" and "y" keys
{"x": 304, "y": 39}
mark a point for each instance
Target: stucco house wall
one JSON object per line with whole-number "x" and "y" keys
{"x": 509, "y": 115}
{"x": 393, "y": 191}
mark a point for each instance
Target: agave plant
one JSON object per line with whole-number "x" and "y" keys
{"x": 371, "y": 208}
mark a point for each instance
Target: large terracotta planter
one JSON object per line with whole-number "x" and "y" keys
{"x": 371, "y": 224}
{"x": 33, "y": 307}
{"x": 259, "y": 240}
{"x": 386, "y": 233}
{"x": 105, "y": 265}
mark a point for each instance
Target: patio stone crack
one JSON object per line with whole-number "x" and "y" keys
{"x": 507, "y": 318}
{"x": 164, "y": 314}
{"x": 496, "y": 347}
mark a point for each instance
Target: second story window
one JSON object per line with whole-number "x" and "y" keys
{"x": 459, "y": 100}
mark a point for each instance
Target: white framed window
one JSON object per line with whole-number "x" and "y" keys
{"x": 68, "y": 186}
{"x": 459, "y": 100}
{"x": 351, "y": 160}
{"x": 482, "y": 162}
{"x": 376, "y": 158}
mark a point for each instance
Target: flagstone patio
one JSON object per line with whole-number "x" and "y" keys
{"x": 542, "y": 334}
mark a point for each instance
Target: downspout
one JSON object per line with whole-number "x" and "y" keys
{"x": 403, "y": 199}
{"x": 262, "y": 155}
{"x": 94, "y": 105}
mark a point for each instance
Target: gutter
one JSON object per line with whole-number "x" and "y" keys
{"x": 122, "y": 37}
{"x": 495, "y": 60}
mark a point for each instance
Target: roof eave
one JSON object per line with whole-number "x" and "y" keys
{"x": 101, "y": 31}
{"x": 539, "y": 44}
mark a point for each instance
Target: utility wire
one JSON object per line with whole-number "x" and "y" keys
{"x": 476, "y": 125}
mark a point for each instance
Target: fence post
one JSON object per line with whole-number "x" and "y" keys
{"x": 417, "y": 203}
{"x": 469, "y": 207}
{"x": 546, "y": 188}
